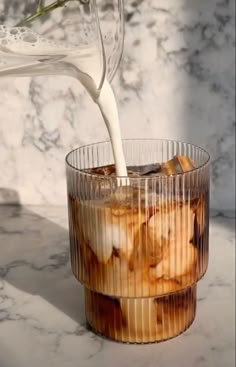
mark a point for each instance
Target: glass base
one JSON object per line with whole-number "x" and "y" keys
{"x": 141, "y": 320}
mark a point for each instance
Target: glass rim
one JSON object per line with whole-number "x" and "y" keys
{"x": 95, "y": 175}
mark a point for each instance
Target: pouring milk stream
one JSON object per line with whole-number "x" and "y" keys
{"x": 25, "y": 53}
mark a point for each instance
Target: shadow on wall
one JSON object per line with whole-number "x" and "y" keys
{"x": 195, "y": 66}
{"x": 207, "y": 61}
{"x": 9, "y": 197}
{"x": 210, "y": 40}
{"x": 37, "y": 259}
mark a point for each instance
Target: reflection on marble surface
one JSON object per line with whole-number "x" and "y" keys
{"x": 176, "y": 81}
{"x": 42, "y": 319}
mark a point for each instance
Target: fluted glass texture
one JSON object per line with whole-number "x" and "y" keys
{"x": 139, "y": 245}
{"x": 146, "y": 239}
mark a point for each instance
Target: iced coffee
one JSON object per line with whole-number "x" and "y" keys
{"x": 140, "y": 246}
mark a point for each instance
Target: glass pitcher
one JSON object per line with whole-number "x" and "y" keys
{"x": 79, "y": 38}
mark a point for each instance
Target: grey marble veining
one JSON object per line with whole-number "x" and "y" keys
{"x": 42, "y": 320}
{"x": 176, "y": 80}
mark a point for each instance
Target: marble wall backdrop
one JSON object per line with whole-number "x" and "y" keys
{"x": 176, "y": 81}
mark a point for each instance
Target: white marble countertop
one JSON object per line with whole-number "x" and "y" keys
{"x": 42, "y": 321}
